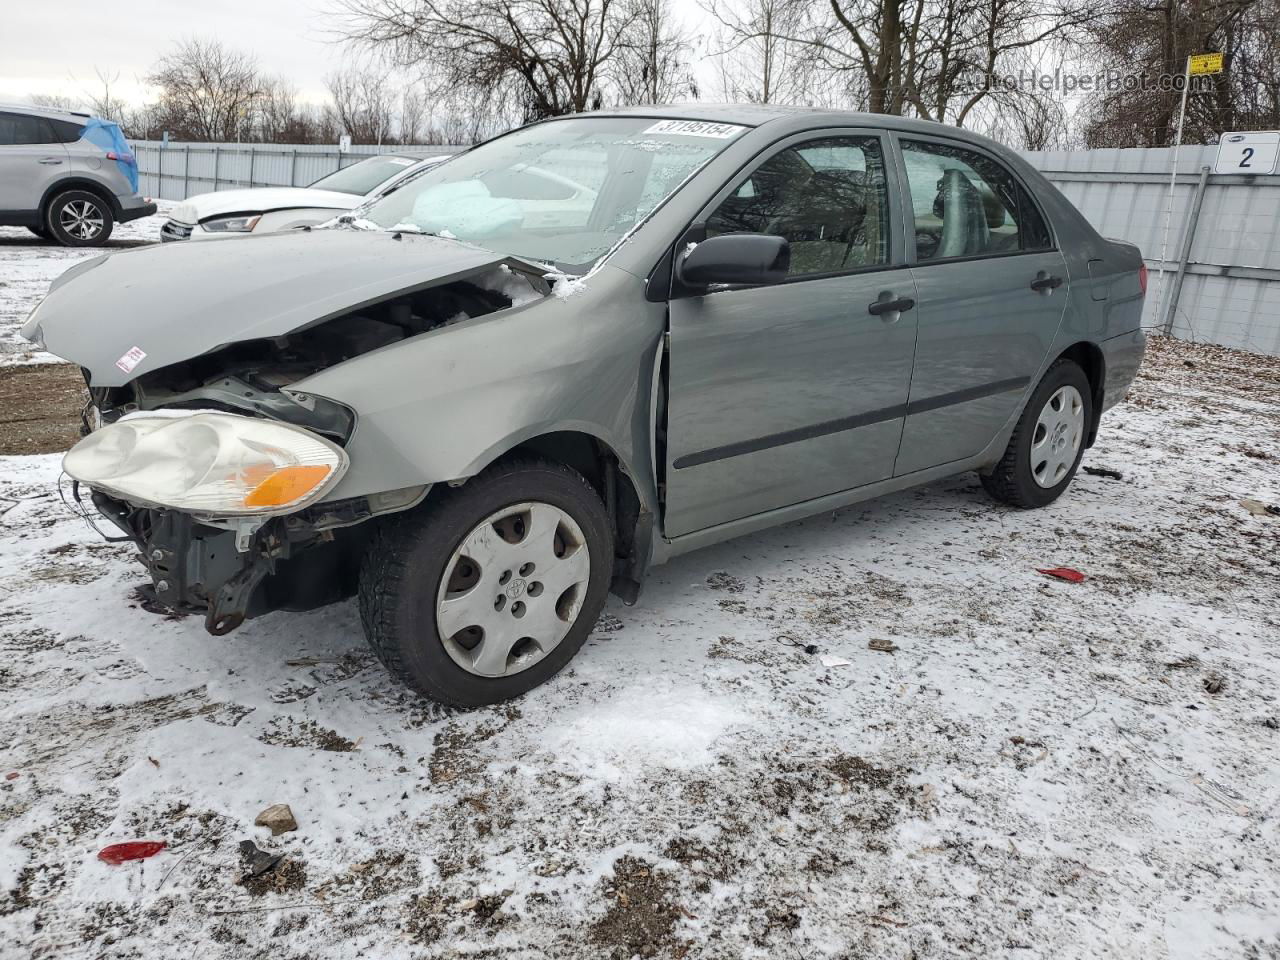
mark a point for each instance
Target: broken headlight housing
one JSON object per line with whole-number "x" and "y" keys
{"x": 209, "y": 464}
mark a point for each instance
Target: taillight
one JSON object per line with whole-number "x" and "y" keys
{"x": 1142, "y": 278}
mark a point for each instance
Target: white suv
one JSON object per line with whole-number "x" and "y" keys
{"x": 66, "y": 176}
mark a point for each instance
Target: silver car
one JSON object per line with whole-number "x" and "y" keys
{"x": 66, "y": 176}
{"x": 481, "y": 422}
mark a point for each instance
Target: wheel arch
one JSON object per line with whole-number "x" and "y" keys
{"x": 1088, "y": 356}
{"x": 610, "y": 476}
{"x": 77, "y": 182}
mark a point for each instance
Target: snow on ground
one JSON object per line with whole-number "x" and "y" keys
{"x": 1041, "y": 769}
{"x": 28, "y": 264}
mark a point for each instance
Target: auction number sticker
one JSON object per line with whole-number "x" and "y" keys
{"x": 131, "y": 359}
{"x": 697, "y": 128}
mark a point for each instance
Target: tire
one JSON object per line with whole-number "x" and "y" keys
{"x": 403, "y": 590}
{"x": 1015, "y": 480}
{"x": 78, "y": 218}
{"x": 40, "y": 232}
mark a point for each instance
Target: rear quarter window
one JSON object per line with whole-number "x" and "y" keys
{"x": 66, "y": 131}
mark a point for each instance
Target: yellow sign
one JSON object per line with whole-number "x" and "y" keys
{"x": 1204, "y": 63}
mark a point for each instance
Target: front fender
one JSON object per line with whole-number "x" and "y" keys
{"x": 443, "y": 405}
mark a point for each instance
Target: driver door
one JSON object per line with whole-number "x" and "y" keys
{"x": 783, "y": 393}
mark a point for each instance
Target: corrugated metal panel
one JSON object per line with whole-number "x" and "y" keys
{"x": 1231, "y": 294}
{"x": 182, "y": 170}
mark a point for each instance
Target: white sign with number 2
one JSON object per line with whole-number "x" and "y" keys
{"x": 1248, "y": 152}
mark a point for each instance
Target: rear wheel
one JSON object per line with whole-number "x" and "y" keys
{"x": 492, "y": 587}
{"x": 1048, "y": 442}
{"x": 78, "y": 218}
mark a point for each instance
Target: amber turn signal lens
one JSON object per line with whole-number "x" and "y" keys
{"x": 286, "y": 485}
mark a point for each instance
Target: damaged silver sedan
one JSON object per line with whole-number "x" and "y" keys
{"x": 575, "y": 351}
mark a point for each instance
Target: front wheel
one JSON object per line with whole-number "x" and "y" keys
{"x": 78, "y": 218}
{"x": 491, "y": 588}
{"x": 1048, "y": 442}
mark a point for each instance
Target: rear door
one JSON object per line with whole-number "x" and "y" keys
{"x": 31, "y": 160}
{"x": 783, "y": 393}
{"x": 992, "y": 288}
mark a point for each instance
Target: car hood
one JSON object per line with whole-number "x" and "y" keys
{"x": 207, "y": 205}
{"x": 128, "y": 313}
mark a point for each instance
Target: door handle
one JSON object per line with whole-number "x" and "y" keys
{"x": 48, "y": 160}
{"x": 1044, "y": 283}
{"x": 881, "y": 307}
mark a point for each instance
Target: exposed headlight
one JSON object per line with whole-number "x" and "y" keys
{"x": 238, "y": 224}
{"x": 208, "y": 464}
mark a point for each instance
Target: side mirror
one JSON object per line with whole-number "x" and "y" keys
{"x": 752, "y": 258}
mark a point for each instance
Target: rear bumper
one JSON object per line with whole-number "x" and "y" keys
{"x": 1122, "y": 356}
{"x": 134, "y": 208}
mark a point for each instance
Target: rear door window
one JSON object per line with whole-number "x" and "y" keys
{"x": 967, "y": 205}
{"x": 21, "y": 129}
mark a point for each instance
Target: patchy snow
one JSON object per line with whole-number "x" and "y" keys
{"x": 28, "y": 265}
{"x": 1039, "y": 769}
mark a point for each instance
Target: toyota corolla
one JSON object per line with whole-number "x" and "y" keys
{"x": 485, "y": 403}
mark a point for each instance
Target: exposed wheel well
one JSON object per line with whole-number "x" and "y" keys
{"x": 1089, "y": 358}
{"x": 602, "y": 469}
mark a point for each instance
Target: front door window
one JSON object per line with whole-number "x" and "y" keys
{"x": 826, "y": 197}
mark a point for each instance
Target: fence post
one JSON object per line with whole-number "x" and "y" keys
{"x": 252, "y": 153}
{"x": 186, "y": 171}
{"x": 217, "y": 155}
{"x": 293, "y": 169}
{"x": 1188, "y": 235}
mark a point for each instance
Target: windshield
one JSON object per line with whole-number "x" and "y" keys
{"x": 363, "y": 177}
{"x": 561, "y": 192}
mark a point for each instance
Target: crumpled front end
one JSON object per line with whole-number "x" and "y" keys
{"x": 223, "y": 472}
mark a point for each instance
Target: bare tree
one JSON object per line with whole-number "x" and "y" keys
{"x": 1153, "y": 40}
{"x": 552, "y": 56}
{"x": 760, "y": 54}
{"x": 56, "y": 101}
{"x": 100, "y": 101}
{"x": 413, "y": 115}
{"x": 937, "y": 59}
{"x": 651, "y": 64}
{"x": 363, "y": 102}
{"x": 206, "y": 90}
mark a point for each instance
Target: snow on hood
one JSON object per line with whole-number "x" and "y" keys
{"x": 260, "y": 200}
{"x": 128, "y": 313}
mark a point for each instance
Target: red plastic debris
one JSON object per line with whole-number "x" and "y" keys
{"x": 131, "y": 850}
{"x": 12, "y": 775}
{"x": 1064, "y": 573}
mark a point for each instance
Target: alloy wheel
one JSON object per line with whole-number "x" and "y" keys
{"x": 81, "y": 219}
{"x": 512, "y": 589}
{"x": 1058, "y": 434}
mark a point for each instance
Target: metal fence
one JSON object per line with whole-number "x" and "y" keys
{"x": 176, "y": 171}
{"x": 1222, "y": 264}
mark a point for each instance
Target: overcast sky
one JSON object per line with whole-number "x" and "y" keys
{"x": 53, "y": 46}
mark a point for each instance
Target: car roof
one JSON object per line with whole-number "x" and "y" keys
{"x": 57, "y": 113}
{"x": 758, "y": 114}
